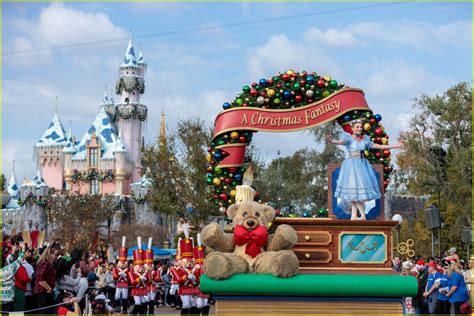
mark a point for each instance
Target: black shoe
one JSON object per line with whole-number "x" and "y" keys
{"x": 185, "y": 311}
{"x": 205, "y": 310}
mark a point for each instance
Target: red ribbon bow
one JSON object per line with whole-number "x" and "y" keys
{"x": 254, "y": 239}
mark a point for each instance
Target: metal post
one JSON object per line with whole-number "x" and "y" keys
{"x": 439, "y": 244}
{"x": 432, "y": 242}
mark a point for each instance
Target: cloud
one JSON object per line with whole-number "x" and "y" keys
{"x": 21, "y": 151}
{"x": 300, "y": 54}
{"x": 58, "y": 25}
{"x": 332, "y": 37}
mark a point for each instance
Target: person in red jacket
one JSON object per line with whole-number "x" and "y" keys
{"x": 119, "y": 274}
{"x": 23, "y": 276}
{"x": 150, "y": 274}
{"x": 138, "y": 280}
{"x": 202, "y": 300}
{"x": 187, "y": 280}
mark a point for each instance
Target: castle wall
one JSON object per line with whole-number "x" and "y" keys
{"x": 53, "y": 175}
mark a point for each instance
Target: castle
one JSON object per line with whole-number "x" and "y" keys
{"x": 105, "y": 160}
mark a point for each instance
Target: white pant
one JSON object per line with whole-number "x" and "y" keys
{"x": 139, "y": 300}
{"x": 188, "y": 301}
{"x": 151, "y": 296}
{"x": 201, "y": 302}
{"x": 121, "y": 293}
{"x": 174, "y": 288}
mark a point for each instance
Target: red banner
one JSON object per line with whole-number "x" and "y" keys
{"x": 283, "y": 120}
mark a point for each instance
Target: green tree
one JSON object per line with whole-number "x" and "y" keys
{"x": 436, "y": 159}
{"x": 177, "y": 170}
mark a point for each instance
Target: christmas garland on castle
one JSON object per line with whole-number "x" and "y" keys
{"x": 85, "y": 176}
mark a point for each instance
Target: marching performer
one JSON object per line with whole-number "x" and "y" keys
{"x": 187, "y": 280}
{"x": 138, "y": 280}
{"x": 202, "y": 300}
{"x": 119, "y": 274}
{"x": 174, "y": 275}
{"x": 151, "y": 278}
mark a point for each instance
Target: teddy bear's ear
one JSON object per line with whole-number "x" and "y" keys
{"x": 232, "y": 210}
{"x": 269, "y": 212}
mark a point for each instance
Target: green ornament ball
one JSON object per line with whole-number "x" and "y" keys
{"x": 246, "y": 89}
{"x": 276, "y": 101}
{"x": 326, "y": 93}
{"x": 333, "y": 84}
{"x": 239, "y": 101}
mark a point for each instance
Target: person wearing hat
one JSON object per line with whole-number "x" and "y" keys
{"x": 431, "y": 293}
{"x": 453, "y": 254}
{"x": 71, "y": 304}
{"x": 151, "y": 278}
{"x": 100, "y": 305}
{"x": 138, "y": 280}
{"x": 443, "y": 306}
{"x": 23, "y": 278}
{"x": 187, "y": 279}
{"x": 202, "y": 300}
{"x": 119, "y": 274}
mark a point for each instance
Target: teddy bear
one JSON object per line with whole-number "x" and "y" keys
{"x": 250, "y": 249}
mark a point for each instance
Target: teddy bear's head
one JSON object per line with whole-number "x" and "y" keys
{"x": 250, "y": 214}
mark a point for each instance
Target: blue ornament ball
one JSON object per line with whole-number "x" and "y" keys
{"x": 217, "y": 156}
{"x": 238, "y": 177}
{"x": 305, "y": 214}
{"x": 226, "y": 105}
{"x": 287, "y": 94}
{"x": 310, "y": 79}
{"x": 347, "y": 118}
{"x": 263, "y": 82}
{"x": 378, "y": 117}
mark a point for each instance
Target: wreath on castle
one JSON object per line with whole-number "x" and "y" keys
{"x": 134, "y": 113}
{"x": 282, "y": 93}
{"x": 39, "y": 201}
{"x": 129, "y": 84}
{"x": 86, "y": 176}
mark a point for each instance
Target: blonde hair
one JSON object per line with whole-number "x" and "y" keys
{"x": 453, "y": 267}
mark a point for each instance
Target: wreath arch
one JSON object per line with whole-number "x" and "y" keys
{"x": 286, "y": 102}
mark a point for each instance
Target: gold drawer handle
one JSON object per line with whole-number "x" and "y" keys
{"x": 307, "y": 255}
{"x": 307, "y": 237}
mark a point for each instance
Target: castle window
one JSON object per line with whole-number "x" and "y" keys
{"x": 94, "y": 186}
{"x": 93, "y": 157}
{"x": 127, "y": 100}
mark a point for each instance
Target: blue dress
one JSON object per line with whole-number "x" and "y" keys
{"x": 357, "y": 180}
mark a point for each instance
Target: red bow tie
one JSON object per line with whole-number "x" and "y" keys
{"x": 254, "y": 239}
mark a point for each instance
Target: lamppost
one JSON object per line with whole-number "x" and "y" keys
{"x": 399, "y": 219}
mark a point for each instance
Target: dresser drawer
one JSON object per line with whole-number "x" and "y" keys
{"x": 313, "y": 255}
{"x": 313, "y": 238}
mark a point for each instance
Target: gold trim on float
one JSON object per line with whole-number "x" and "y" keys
{"x": 361, "y": 233}
{"x": 342, "y": 268}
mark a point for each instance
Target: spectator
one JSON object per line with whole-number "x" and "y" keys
{"x": 397, "y": 265}
{"x": 443, "y": 306}
{"x": 68, "y": 276}
{"x": 101, "y": 282}
{"x": 46, "y": 279}
{"x": 457, "y": 287}
{"x": 100, "y": 306}
{"x": 23, "y": 278}
{"x": 431, "y": 293}
{"x": 418, "y": 300}
{"x": 468, "y": 277}
{"x": 70, "y": 307}
{"x": 453, "y": 254}
{"x": 109, "y": 281}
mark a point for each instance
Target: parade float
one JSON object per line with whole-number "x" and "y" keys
{"x": 344, "y": 265}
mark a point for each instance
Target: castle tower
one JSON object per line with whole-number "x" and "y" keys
{"x": 120, "y": 164}
{"x": 48, "y": 152}
{"x": 37, "y": 190}
{"x": 129, "y": 114}
{"x": 69, "y": 151}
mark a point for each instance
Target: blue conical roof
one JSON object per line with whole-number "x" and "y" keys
{"x": 70, "y": 147}
{"x": 129, "y": 60}
{"x": 105, "y": 133}
{"x": 54, "y": 135}
{"x": 38, "y": 180}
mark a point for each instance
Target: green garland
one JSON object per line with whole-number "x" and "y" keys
{"x": 86, "y": 176}
{"x": 37, "y": 200}
{"x": 139, "y": 199}
{"x": 134, "y": 113}
{"x": 129, "y": 84}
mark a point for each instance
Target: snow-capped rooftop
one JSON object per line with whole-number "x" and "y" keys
{"x": 70, "y": 147}
{"x": 38, "y": 180}
{"x": 130, "y": 60}
{"x": 54, "y": 135}
{"x": 105, "y": 133}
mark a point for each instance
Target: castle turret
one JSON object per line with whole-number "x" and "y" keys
{"x": 129, "y": 114}
{"x": 69, "y": 151}
{"x": 34, "y": 194}
{"x": 49, "y": 152}
{"x": 120, "y": 165}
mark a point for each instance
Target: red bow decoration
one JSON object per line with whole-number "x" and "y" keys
{"x": 254, "y": 239}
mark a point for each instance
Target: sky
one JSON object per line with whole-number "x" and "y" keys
{"x": 395, "y": 52}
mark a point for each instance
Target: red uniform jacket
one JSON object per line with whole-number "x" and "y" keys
{"x": 154, "y": 276}
{"x": 186, "y": 286}
{"x": 197, "y": 291}
{"x": 122, "y": 281}
{"x": 139, "y": 286}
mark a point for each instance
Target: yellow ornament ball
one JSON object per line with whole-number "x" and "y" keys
{"x": 208, "y": 157}
{"x": 216, "y": 181}
{"x": 290, "y": 72}
{"x": 366, "y": 153}
{"x": 384, "y": 141}
{"x": 270, "y": 93}
{"x": 229, "y": 201}
{"x": 234, "y": 135}
{"x": 232, "y": 193}
{"x": 327, "y": 78}
{"x": 367, "y": 127}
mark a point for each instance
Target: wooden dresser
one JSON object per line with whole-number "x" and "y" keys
{"x": 328, "y": 245}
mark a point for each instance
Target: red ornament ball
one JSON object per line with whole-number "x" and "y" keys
{"x": 298, "y": 98}
{"x": 372, "y": 121}
{"x": 378, "y": 131}
{"x": 253, "y": 92}
{"x": 386, "y": 153}
{"x": 242, "y": 139}
{"x": 223, "y": 196}
{"x": 321, "y": 83}
{"x": 285, "y": 77}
